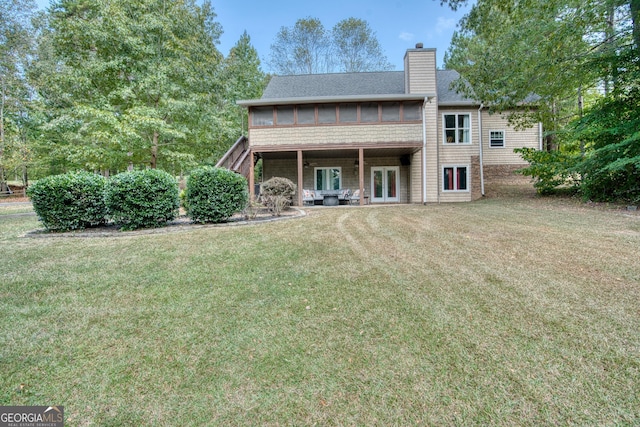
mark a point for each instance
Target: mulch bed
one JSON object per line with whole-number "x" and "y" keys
{"x": 182, "y": 223}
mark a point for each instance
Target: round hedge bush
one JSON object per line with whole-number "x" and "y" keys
{"x": 277, "y": 194}
{"x": 215, "y": 194}
{"x": 278, "y": 186}
{"x": 142, "y": 199}
{"x": 71, "y": 201}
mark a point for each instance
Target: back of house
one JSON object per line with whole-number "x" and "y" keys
{"x": 395, "y": 137}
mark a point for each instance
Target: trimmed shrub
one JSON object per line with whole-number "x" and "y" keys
{"x": 71, "y": 201}
{"x": 549, "y": 169}
{"x": 183, "y": 199}
{"x": 277, "y": 194}
{"x": 142, "y": 199}
{"x": 215, "y": 194}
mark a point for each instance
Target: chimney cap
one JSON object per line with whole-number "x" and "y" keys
{"x": 419, "y": 45}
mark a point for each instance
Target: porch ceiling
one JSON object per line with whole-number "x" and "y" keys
{"x": 338, "y": 153}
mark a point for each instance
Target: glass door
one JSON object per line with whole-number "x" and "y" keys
{"x": 385, "y": 184}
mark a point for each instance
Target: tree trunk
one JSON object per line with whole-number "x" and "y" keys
{"x": 635, "y": 19}
{"x": 4, "y": 188}
{"x": 609, "y": 34}
{"x": 154, "y": 150}
{"x": 581, "y": 112}
{"x": 25, "y": 179}
{"x": 3, "y": 182}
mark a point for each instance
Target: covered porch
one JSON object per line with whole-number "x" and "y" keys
{"x": 370, "y": 174}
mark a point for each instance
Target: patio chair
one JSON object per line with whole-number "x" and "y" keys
{"x": 345, "y": 196}
{"x": 355, "y": 197}
{"x": 308, "y": 197}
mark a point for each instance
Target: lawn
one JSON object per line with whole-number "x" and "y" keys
{"x": 507, "y": 311}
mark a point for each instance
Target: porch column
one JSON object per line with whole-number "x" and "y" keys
{"x": 300, "y": 177}
{"x": 252, "y": 178}
{"x": 361, "y": 174}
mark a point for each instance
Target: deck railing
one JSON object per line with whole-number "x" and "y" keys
{"x": 237, "y": 157}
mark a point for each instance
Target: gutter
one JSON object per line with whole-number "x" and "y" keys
{"x": 481, "y": 149}
{"x": 333, "y": 99}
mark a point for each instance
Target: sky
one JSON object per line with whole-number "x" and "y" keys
{"x": 398, "y": 24}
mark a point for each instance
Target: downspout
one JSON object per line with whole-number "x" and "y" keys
{"x": 424, "y": 151}
{"x": 481, "y": 150}
{"x": 438, "y": 143}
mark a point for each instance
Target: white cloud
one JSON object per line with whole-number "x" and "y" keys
{"x": 406, "y": 36}
{"x": 445, "y": 24}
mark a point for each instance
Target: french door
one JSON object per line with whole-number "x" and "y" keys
{"x": 385, "y": 184}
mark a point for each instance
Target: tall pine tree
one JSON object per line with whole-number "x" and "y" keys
{"x": 242, "y": 78}
{"x": 513, "y": 54}
{"x": 16, "y": 45}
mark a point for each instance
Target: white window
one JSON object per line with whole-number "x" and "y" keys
{"x": 457, "y": 128}
{"x": 455, "y": 178}
{"x": 496, "y": 138}
{"x": 328, "y": 178}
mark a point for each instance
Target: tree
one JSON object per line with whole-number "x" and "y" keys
{"x": 16, "y": 44}
{"x": 242, "y": 78}
{"x": 356, "y": 47}
{"x": 453, "y": 4}
{"x": 610, "y": 129}
{"x": 547, "y": 55}
{"x": 556, "y": 42}
{"x": 536, "y": 54}
{"x": 134, "y": 82}
{"x": 308, "y": 48}
{"x": 303, "y": 49}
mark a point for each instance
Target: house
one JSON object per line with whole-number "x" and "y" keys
{"x": 398, "y": 137}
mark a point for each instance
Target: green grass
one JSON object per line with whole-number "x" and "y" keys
{"x": 9, "y": 208}
{"x": 518, "y": 311}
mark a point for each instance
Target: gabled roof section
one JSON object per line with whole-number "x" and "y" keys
{"x": 448, "y": 96}
{"x": 353, "y": 87}
{"x": 343, "y": 84}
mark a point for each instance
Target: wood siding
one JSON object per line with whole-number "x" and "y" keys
{"x": 416, "y": 178}
{"x": 431, "y": 113}
{"x": 512, "y": 139}
{"x": 342, "y": 135}
{"x": 420, "y": 71}
{"x": 457, "y": 154}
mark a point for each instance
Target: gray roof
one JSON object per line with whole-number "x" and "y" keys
{"x": 446, "y": 95}
{"x": 343, "y": 84}
{"x": 353, "y": 86}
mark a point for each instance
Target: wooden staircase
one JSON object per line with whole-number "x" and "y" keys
{"x": 238, "y": 158}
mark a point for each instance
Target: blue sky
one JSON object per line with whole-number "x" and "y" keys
{"x": 398, "y": 24}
